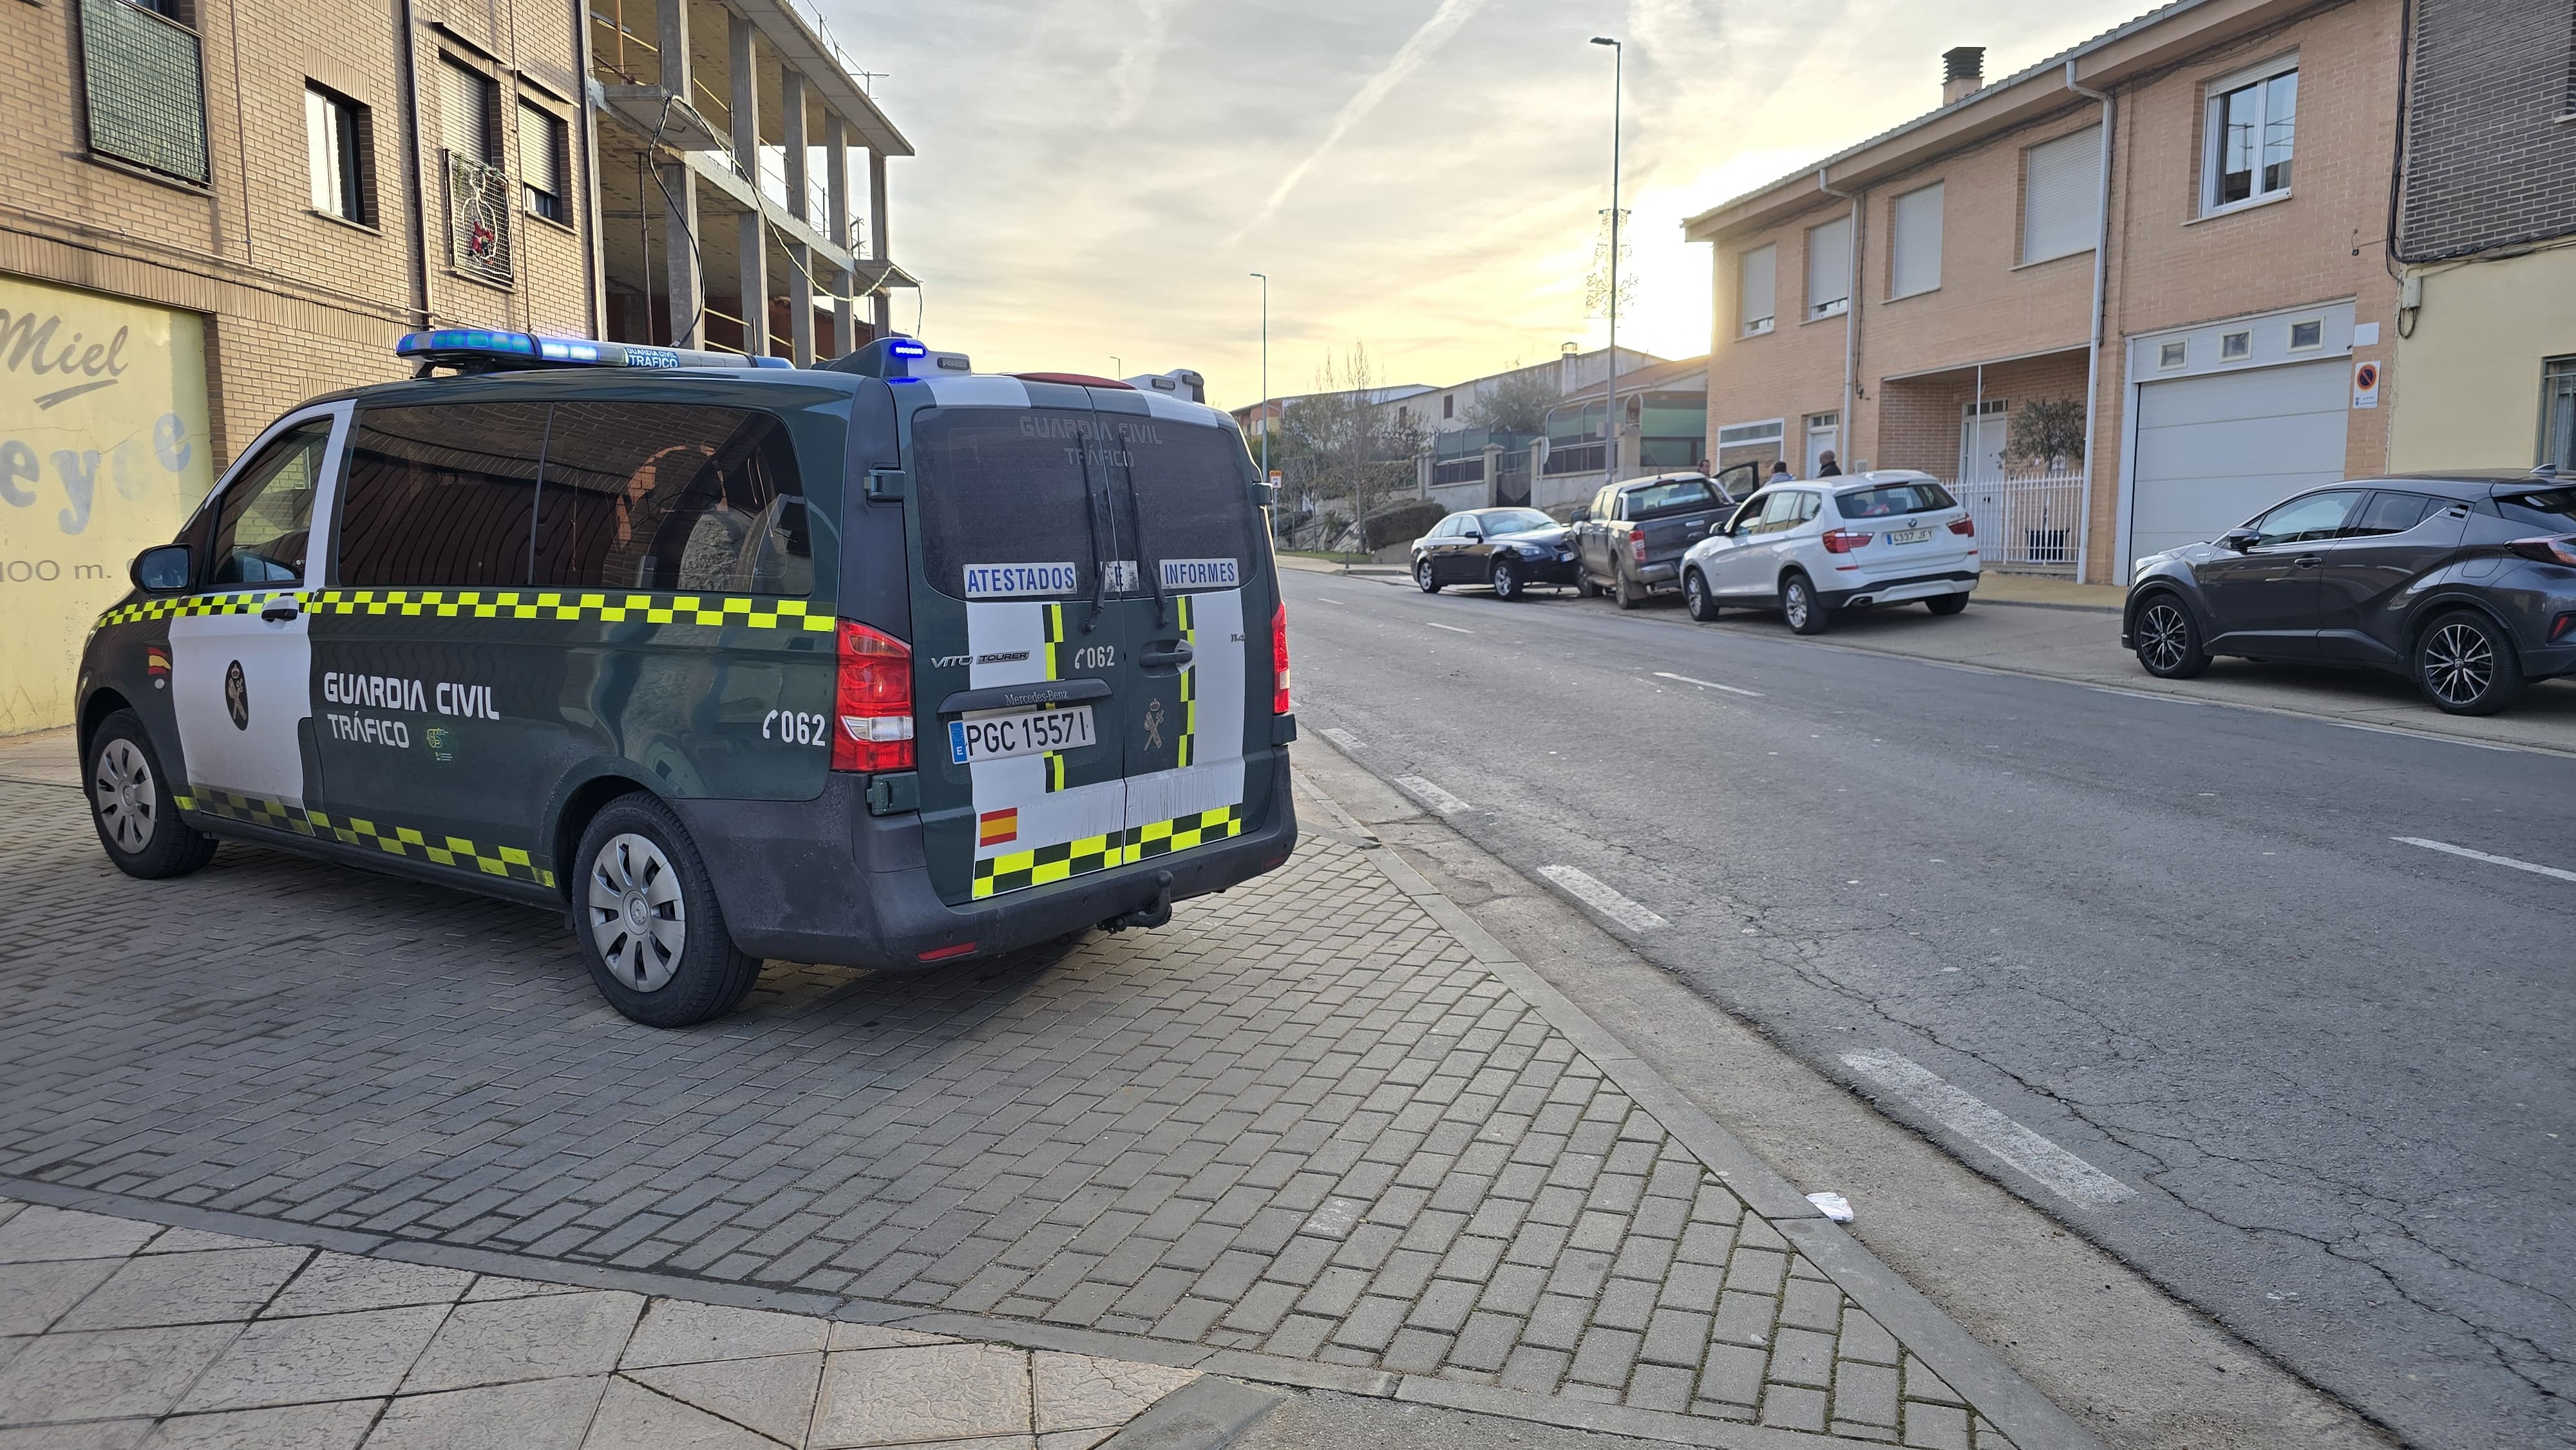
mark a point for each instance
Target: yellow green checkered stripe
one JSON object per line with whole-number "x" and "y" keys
{"x": 1188, "y": 745}
{"x": 1020, "y": 869}
{"x": 560, "y": 605}
{"x": 403, "y": 841}
{"x": 1053, "y": 623}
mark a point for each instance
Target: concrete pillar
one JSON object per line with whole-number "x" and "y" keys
{"x": 836, "y": 184}
{"x": 800, "y": 258}
{"x": 680, "y": 251}
{"x": 753, "y": 236}
{"x": 877, "y": 235}
{"x": 673, "y": 26}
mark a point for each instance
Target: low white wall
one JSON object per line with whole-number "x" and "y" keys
{"x": 1456, "y": 496}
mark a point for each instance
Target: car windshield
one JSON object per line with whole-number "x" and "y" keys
{"x": 1881, "y": 500}
{"x": 1673, "y": 496}
{"x": 1515, "y": 521}
{"x": 2553, "y": 509}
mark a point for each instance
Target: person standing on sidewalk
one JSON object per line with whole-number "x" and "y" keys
{"x": 1826, "y": 467}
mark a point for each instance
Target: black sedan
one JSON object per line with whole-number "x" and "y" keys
{"x": 2464, "y": 582}
{"x": 1509, "y": 548}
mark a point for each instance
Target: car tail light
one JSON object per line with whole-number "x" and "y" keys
{"x": 872, "y": 699}
{"x": 2560, "y": 630}
{"x": 1964, "y": 527}
{"x": 1637, "y": 542}
{"x": 2547, "y": 551}
{"x": 1843, "y": 541}
{"x": 1279, "y": 659}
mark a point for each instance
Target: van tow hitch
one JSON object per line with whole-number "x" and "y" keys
{"x": 1152, "y": 915}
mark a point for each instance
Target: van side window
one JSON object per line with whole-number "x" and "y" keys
{"x": 443, "y": 495}
{"x": 671, "y": 497}
{"x": 266, "y": 520}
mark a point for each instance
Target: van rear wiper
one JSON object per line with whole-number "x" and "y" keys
{"x": 1099, "y": 566}
{"x": 1136, "y": 516}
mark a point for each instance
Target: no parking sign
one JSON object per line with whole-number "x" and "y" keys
{"x": 2365, "y": 385}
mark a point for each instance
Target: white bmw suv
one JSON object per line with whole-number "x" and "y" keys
{"x": 1811, "y": 547}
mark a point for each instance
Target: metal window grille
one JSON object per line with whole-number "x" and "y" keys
{"x": 478, "y": 218}
{"x": 145, "y": 79}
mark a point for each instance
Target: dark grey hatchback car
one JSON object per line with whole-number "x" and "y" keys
{"x": 2464, "y": 582}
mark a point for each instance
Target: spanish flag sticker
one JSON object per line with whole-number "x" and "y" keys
{"x": 997, "y": 828}
{"x": 156, "y": 660}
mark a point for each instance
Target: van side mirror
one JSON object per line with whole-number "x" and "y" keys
{"x": 162, "y": 569}
{"x": 2240, "y": 539}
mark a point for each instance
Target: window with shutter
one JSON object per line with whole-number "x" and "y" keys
{"x": 1759, "y": 268}
{"x": 467, "y": 103}
{"x": 1829, "y": 268}
{"x": 541, "y": 163}
{"x": 1914, "y": 242}
{"x": 2061, "y": 196}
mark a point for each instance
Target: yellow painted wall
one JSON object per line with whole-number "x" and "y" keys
{"x": 103, "y": 451}
{"x": 2466, "y": 385}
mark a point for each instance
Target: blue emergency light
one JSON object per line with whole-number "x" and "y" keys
{"x": 471, "y": 349}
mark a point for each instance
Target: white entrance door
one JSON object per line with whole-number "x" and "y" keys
{"x": 1823, "y": 429}
{"x": 2215, "y": 450}
{"x": 1983, "y": 427}
{"x": 241, "y": 663}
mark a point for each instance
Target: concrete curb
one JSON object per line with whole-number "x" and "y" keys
{"x": 2031, "y": 1420}
{"x": 1201, "y": 1415}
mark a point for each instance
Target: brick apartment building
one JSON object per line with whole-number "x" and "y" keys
{"x": 2486, "y": 237}
{"x": 215, "y": 211}
{"x": 2174, "y": 236}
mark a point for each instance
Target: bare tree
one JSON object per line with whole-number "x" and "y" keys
{"x": 1517, "y": 402}
{"x": 1362, "y": 456}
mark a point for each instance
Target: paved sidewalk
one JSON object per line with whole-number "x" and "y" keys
{"x": 1306, "y": 1134}
{"x": 124, "y": 1333}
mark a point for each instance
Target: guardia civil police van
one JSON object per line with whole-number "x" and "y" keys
{"x": 884, "y": 663}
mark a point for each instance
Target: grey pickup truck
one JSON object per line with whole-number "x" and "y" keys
{"x": 1628, "y": 541}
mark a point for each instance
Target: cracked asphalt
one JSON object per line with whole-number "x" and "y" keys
{"x": 2179, "y": 941}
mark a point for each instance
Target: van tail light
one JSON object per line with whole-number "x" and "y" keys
{"x": 1843, "y": 541}
{"x": 1279, "y": 659}
{"x": 872, "y": 701}
{"x": 1964, "y": 527}
{"x": 2547, "y": 551}
{"x": 1637, "y": 542}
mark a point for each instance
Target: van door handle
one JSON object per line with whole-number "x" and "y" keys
{"x": 280, "y": 609}
{"x": 1178, "y": 652}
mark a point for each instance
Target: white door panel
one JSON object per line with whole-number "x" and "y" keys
{"x": 2214, "y": 451}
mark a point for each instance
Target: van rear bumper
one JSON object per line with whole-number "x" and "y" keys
{"x": 823, "y": 881}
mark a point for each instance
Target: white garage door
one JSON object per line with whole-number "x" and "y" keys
{"x": 2215, "y": 451}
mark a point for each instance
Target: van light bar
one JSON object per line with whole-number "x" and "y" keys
{"x": 472, "y": 349}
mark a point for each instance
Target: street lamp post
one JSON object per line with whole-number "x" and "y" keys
{"x": 1610, "y": 423}
{"x": 1265, "y": 374}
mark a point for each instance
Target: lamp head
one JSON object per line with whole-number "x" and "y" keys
{"x": 1605, "y": 40}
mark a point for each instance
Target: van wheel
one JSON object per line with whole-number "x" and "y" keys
{"x": 1422, "y": 579}
{"x": 1798, "y": 605}
{"x": 1507, "y": 580}
{"x": 650, "y": 927}
{"x": 1697, "y": 599}
{"x": 129, "y": 802}
{"x": 2466, "y": 665}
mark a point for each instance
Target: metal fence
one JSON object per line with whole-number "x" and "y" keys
{"x": 478, "y": 218}
{"x": 1470, "y": 469}
{"x": 2026, "y": 523}
{"x": 1573, "y": 458}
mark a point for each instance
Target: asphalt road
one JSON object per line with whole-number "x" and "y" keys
{"x": 2311, "y": 1078}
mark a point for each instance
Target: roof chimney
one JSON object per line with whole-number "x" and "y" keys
{"x": 1963, "y": 72}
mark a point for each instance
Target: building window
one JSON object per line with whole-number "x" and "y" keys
{"x": 1760, "y": 272}
{"x": 2558, "y": 414}
{"x": 469, "y": 112}
{"x": 1448, "y": 405}
{"x": 542, "y": 164}
{"x": 337, "y": 149}
{"x": 1914, "y": 242}
{"x": 478, "y": 189}
{"x": 144, "y": 79}
{"x": 1829, "y": 268}
{"x": 2308, "y": 336}
{"x": 2173, "y": 354}
{"x": 2246, "y": 145}
{"x": 2235, "y": 346}
{"x": 1751, "y": 435}
{"x": 2061, "y": 196}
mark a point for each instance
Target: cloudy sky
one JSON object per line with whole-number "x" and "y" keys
{"x": 1421, "y": 177}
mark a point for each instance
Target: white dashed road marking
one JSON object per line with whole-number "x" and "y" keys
{"x": 1341, "y": 737}
{"x": 1707, "y": 684}
{"x": 1432, "y": 795}
{"x": 2061, "y": 1172}
{"x": 2451, "y": 850}
{"x": 1453, "y": 629}
{"x": 1600, "y": 898}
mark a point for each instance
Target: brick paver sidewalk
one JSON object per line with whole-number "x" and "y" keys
{"x": 1303, "y": 1133}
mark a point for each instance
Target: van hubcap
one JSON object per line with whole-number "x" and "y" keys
{"x": 2459, "y": 664}
{"x": 122, "y": 790}
{"x": 637, "y": 918}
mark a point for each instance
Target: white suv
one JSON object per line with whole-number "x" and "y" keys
{"x": 1814, "y": 546}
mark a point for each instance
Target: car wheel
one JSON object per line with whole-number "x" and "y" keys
{"x": 1696, "y": 598}
{"x": 130, "y": 803}
{"x": 2466, "y": 664}
{"x": 650, "y": 927}
{"x": 1422, "y": 579}
{"x": 1628, "y": 595}
{"x": 2168, "y": 639}
{"x": 1584, "y": 585}
{"x": 1946, "y": 604}
{"x": 1507, "y": 580}
{"x": 1798, "y": 605}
